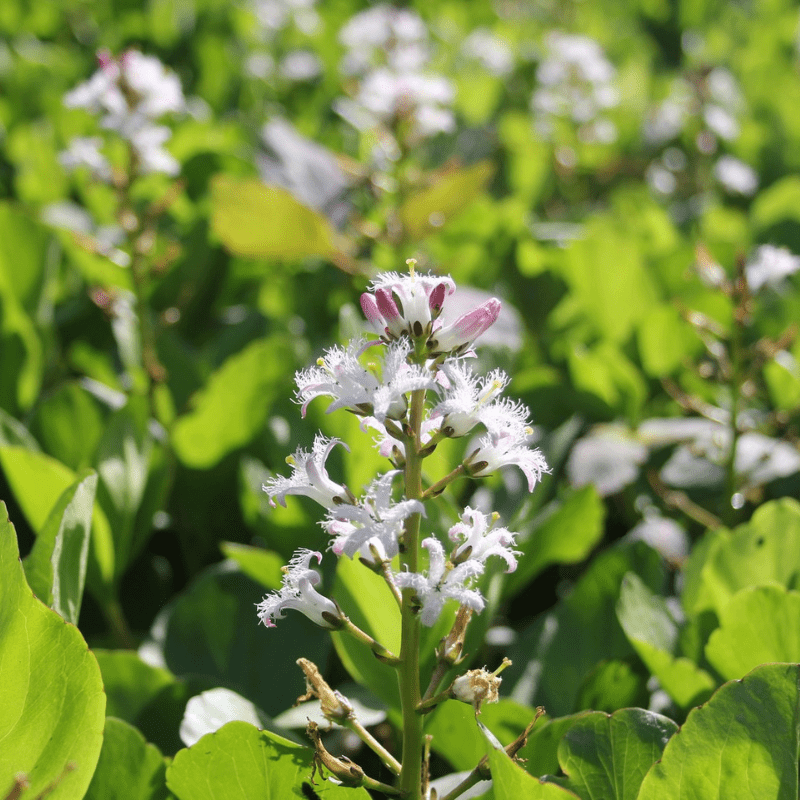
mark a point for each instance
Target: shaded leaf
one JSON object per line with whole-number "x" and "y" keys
{"x": 654, "y": 634}
{"x": 56, "y": 566}
{"x": 129, "y": 767}
{"x": 212, "y": 630}
{"x": 233, "y": 406}
{"x": 554, "y": 656}
{"x": 567, "y": 536}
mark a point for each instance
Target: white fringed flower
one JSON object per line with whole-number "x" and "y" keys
{"x": 478, "y": 540}
{"x": 442, "y": 583}
{"x": 466, "y": 397}
{"x": 298, "y": 593}
{"x": 366, "y": 392}
{"x": 309, "y": 477}
{"x": 376, "y": 522}
{"x": 507, "y": 448}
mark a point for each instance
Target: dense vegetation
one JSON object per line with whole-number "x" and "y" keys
{"x": 177, "y": 241}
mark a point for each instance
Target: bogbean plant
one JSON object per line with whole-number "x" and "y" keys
{"x": 416, "y": 388}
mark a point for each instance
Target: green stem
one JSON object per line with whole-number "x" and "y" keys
{"x": 437, "y": 488}
{"x": 119, "y": 625}
{"x": 370, "y": 741}
{"x": 410, "y": 782}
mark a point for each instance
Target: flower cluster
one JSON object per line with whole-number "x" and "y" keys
{"x": 413, "y": 384}
{"x": 130, "y": 93}
{"x": 576, "y": 81}
{"x": 388, "y": 53}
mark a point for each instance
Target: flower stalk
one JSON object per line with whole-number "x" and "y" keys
{"x": 421, "y": 391}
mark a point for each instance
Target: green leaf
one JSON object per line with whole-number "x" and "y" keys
{"x": 130, "y": 684}
{"x": 511, "y": 782}
{"x": 743, "y": 743}
{"x": 53, "y": 705}
{"x": 776, "y": 204}
{"x": 540, "y": 754}
{"x": 765, "y": 550}
{"x": 123, "y": 463}
{"x": 261, "y": 221}
{"x": 665, "y": 341}
{"x": 37, "y": 482}
{"x": 14, "y": 434}
{"x": 554, "y": 656}
{"x": 457, "y": 738}
{"x": 212, "y": 630}
{"x": 367, "y": 600}
{"x": 69, "y": 424}
{"x": 151, "y": 698}
{"x": 758, "y": 625}
{"x": 129, "y": 768}
{"x": 612, "y": 685}
{"x": 451, "y": 192}
{"x": 607, "y": 373}
{"x": 261, "y": 565}
{"x": 567, "y": 536}
{"x": 606, "y": 271}
{"x": 608, "y": 755}
{"x": 783, "y": 382}
{"x": 240, "y": 760}
{"x": 24, "y": 243}
{"x": 654, "y": 634}
{"x": 56, "y": 566}
{"x": 233, "y": 406}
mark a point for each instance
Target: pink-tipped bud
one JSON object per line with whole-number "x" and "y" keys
{"x": 104, "y": 58}
{"x": 459, "y": 336}
{"x": 436, "y": 299}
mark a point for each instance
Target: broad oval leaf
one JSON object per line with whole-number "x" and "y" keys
{"x": 53, "y": 704}
{"x": 253, "y": 219}
{"x": 764, "y": 550}
{"x": 241, "y": 761}
{"x": 743, "y": 743}
{"x": 758, "y": 626}
{"x": 452, "y": 192}
{"x": 233, "y": 406}
{"x": 608, "y": 755}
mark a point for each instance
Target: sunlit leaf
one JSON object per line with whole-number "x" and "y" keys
{"x": 253, "y": 219}
{"x": 257, "y": 763}
{"x": 743, "y": 742}
{"x": 53, "y": 704}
